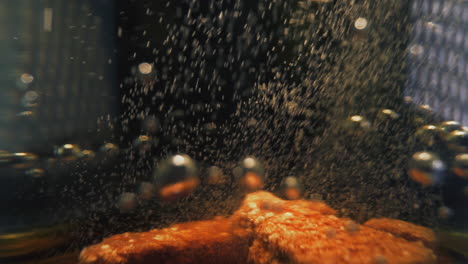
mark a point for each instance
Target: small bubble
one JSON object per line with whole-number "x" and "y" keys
{"x": 30, "y": 99}
{"x": 26, "y": 78}
{"x": 68, "y": 152}
{"x": 6, "y": 157}
{"x": 427, "y": 135}
{"x": 457, "y": 141}
{"x": 360, "y": 23}
{"x": 127, "y": 202}
{"x": 416, "y": 49}
{"x": 356, "y": 122}
{"x": 35, "y": 173}
{"x": 145, "y": 68}
{"x": 176, "y": 177}
{"x": 291, "y": 189}
{"x": 426, "y": 168}
{"x": 110, "y": 149}
{"x": 143, "y": 142}
{"x": 448, "y": 127}
{"x": 250, "y": 174}
{"x": 87, "y": 154}
{"x": 460, "y": 165}
{"x": 146, "y": 191}
{"x": 444, "y": 212}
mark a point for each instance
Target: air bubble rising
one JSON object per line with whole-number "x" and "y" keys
{"x": 176, "y": 177}
{"x": 427, "y": 168}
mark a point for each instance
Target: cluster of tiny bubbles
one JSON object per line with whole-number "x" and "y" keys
{"x": 291, "y": 188}
{"x": 426, "y": 168}
{"x": 175, "y": 177}
{"x": 250, "y": 174}
{"x": 276, "y": 80}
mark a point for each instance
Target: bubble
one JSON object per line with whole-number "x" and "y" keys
{"x": 6, "y": 157}
{"x": 146, "y": 191}
{"x": 127, "y": 202}
{"x": 143, "y": 142}
{"x": 427, "y": 135}
{"x": 26, "y": 78}
{"x": 360, "y": 23}
{"x": 444, "y": 212}
{"x": 457, "y": 141}
{"x": 250, "y": 174}
{"x": 87, "y": 154}
{"x": 109, "y": 149}
{"x": 426, "y": 168}
{"x": 357, "y": 122}
{"x": 36, "y": 172}
{"x": 145, "y": 68}
{"x": 448, "y": 127}
{"x": 30, "y": 99}
{"x": 23, "y": 159}
{"x": 176, "y": 177}
{"x": 460, "y": 165}
{"x": 215, "y": 176}
{"x": 416, "y": 49}
{"x": 291, "y": 189}
{"x": 68, "y": 152}
{"x": 386, "y": 118}
{"x": 388, "y": 114}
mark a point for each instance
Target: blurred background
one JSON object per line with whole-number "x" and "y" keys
{"x": 343, "y": 95}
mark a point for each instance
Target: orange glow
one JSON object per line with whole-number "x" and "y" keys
{"x": 178, "y": 190}
{"x": 292, "y": 193}
{"x": 460, "y": 173}
{"x": 267, "y": 229}
{"x": 252, "y": 181}
{"x": 420, "y": 177}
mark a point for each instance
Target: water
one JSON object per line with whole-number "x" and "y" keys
{"x": 218, "y": 98}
